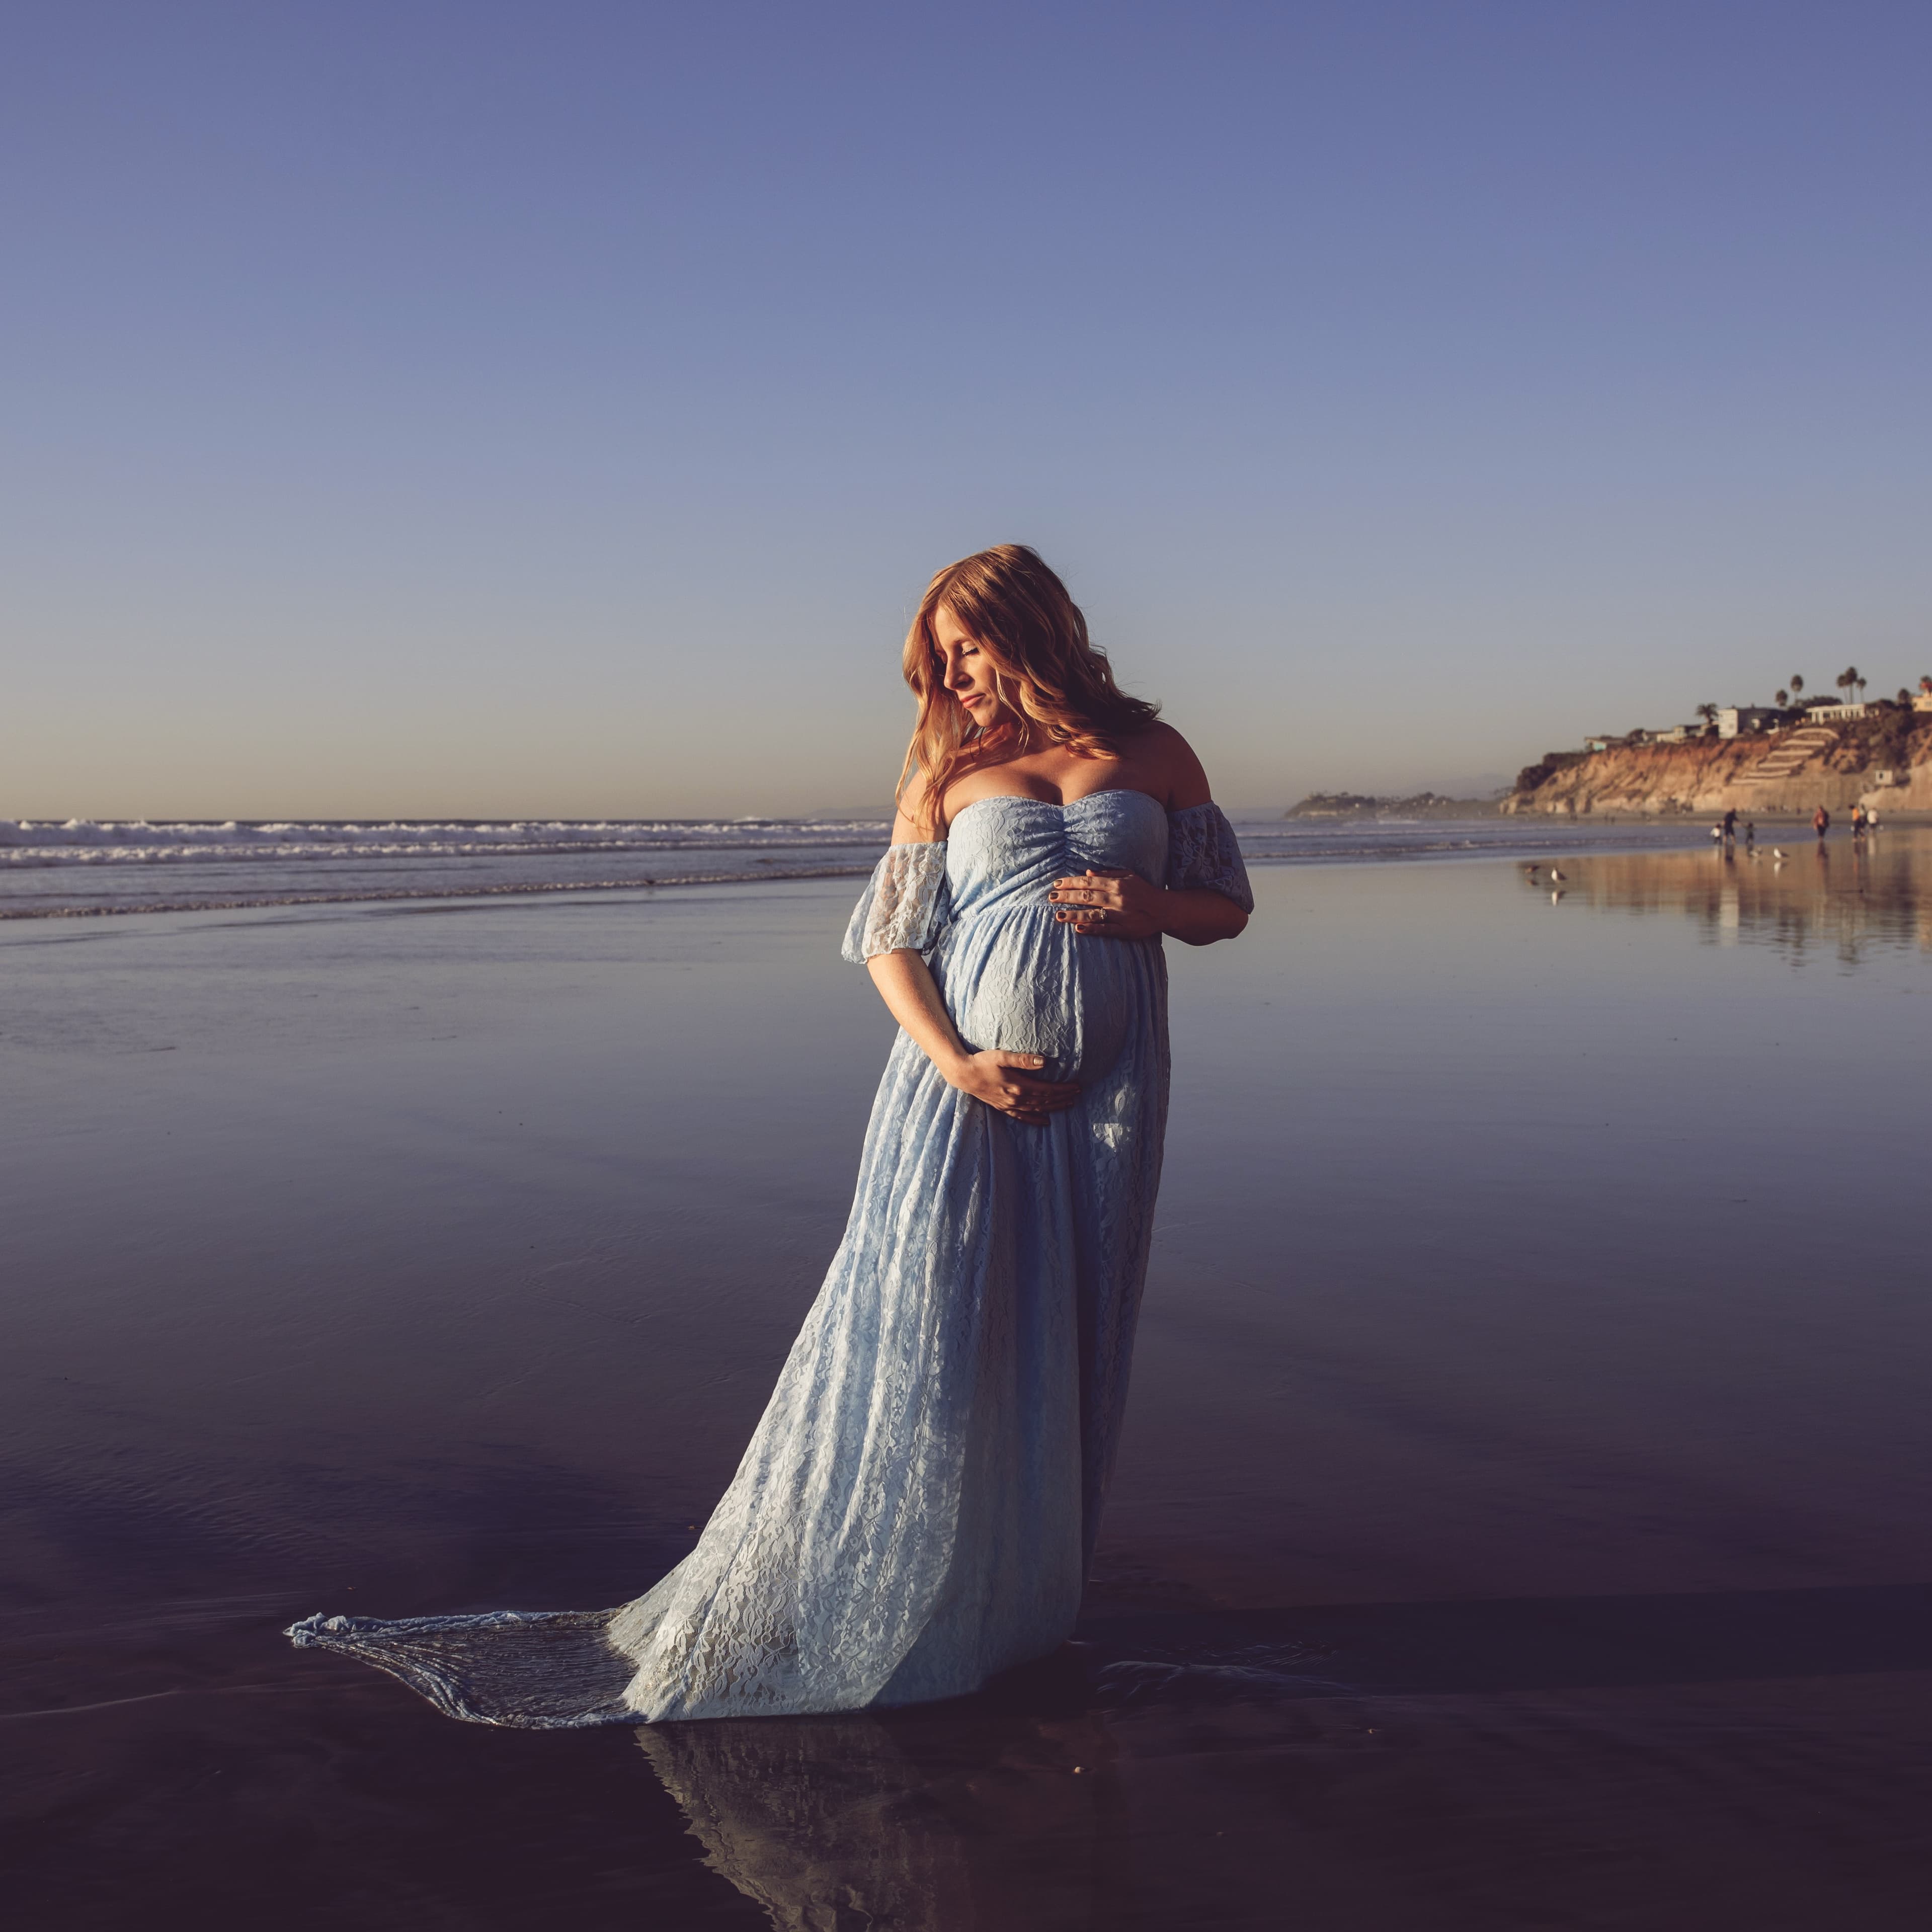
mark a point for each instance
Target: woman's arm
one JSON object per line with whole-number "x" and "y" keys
{"x": 1005, "y": 1081}
{"x": 1199, "y": 917}
{"x": 914, "y": 821}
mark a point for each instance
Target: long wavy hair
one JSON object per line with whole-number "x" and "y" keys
{"x": 1054, "y": 685}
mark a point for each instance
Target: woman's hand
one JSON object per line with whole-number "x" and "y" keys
{"x": 1007, "y": 1083}
{"x": 1113, "y": 905}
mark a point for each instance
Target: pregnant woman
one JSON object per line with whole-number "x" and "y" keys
{"x": 917, "y": 1507}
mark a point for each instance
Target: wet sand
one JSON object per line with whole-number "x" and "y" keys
{"x": 1522, "y": 1520}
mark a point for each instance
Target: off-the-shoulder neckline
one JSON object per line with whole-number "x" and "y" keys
{"x": 1053, "y": 804}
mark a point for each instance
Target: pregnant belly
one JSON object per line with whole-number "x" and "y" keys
{"x": 1032, "y": 986}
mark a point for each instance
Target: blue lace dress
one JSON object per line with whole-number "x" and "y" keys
{"x": 916, "y": 1508}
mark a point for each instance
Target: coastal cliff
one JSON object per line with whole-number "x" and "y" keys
{"x": 1773, "y": 774}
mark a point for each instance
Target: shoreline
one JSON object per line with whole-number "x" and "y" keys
{"x": 535, "y": 889}
{"x": 1514, "y": 839}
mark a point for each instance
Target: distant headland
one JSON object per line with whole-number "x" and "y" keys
{"x": 1778, "y": 760}
{"x": 1420, "y": 805}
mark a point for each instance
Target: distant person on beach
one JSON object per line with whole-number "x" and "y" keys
{"x": 1821, "y": 821}
{"x": 1857, "y": 821}
{"x": 1730, "y": 824}
{"x": 1750, "y": 835}
{"x": 917, "y": 1509}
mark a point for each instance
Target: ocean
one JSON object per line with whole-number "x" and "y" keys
{"x": 77, "y": 866}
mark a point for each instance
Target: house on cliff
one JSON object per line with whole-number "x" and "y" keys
{"x": 1733, "y": 719}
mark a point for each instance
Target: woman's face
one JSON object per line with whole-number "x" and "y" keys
{"x": 965, "y": 669}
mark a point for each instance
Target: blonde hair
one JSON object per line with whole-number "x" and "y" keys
{"x": 1054, "y": 686}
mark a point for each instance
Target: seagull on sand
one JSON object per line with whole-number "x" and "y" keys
{"x": 1776, "y": 853}
{"x": 1558, "y": 877}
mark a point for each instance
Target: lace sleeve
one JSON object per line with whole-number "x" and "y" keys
{"x": 904, "y": 905}
{"x": 1203, "y": 854}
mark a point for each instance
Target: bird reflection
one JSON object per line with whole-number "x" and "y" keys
{"x": 948, "y": 1819}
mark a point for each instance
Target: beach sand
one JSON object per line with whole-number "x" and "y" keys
{"x": 1521, "y": 1521}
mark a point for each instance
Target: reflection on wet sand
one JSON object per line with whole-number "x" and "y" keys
{"x": 930, "y": 1821}
{"x": 1179, "y": 1770}
{"x": 1802, "y": 895}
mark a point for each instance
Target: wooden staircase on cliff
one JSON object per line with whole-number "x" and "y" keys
{"x": 1791, "y": 754}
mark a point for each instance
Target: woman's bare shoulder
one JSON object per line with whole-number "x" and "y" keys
{"x": 1183, "y": 776}
{"x": 912, "y": 822}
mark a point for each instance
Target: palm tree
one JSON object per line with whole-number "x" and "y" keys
{"x": 1860, "y": 682}
{"x": 1784, "y": 699}
{"x": 1845, "y": 679}
{"x": 1797, "y": 684}
{"x": 1708, "y": 713}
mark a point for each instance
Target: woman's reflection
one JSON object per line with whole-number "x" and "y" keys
{"x": 950, "y": 1818}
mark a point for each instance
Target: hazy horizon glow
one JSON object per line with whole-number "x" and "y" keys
{"x": 477, "y": 410}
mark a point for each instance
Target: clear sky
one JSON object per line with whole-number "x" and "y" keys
{"x": 480, "y": 408}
